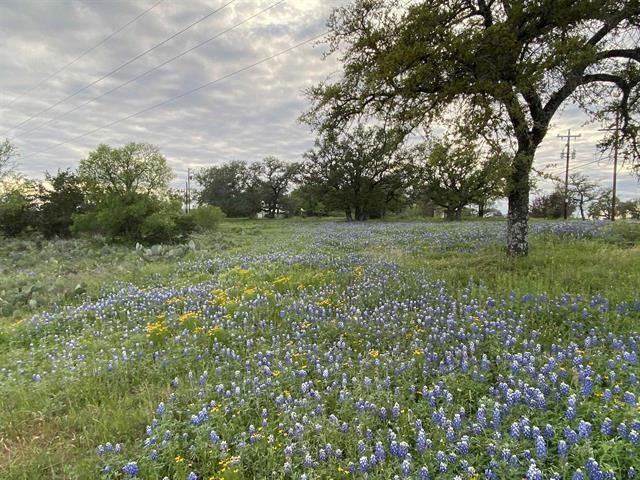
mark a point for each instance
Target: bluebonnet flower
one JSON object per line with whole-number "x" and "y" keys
{"x": 379, "y": 452}
{"x": 534, "y": 473}
{"x": 571, "y": 436}
{"x": 192, "y": 476}
{"x": 622, "y": 430}
{"x": 364, "y": 464}
{"x": 405, "y": 468}
{"x": 607, "y": 427}
{"x": 541, "y": 448}
{"x": 421, "y": 441}
{"x": 577, "y": 475}
{"x": 584, "y": 429}
{"x": 629, "y": 398}
{"x": 562, "y": 449}
{"x": 361, "y": 446}
{"x": 423, "y": 473}
{"x": 463, "y": 445}
{"x": 131, "y": 469}
{"x": 593, "y": 469}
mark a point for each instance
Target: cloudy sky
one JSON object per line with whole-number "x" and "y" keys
{"x": 73, "y": 74}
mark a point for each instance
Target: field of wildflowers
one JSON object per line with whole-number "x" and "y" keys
{"x": 328, "y": 351}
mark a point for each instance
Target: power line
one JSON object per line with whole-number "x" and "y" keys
{"x": 184, "y": 94}
{"x": 160, "y": 65}
{"x": 128, "y": 62}
{"x": 83, "y": 54}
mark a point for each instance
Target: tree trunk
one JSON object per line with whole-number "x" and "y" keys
{"x": 481, "y": 209}
{"x": 453, "y": 213}
{"x": 518, "y": 216}
{"x": 347, "y": 213}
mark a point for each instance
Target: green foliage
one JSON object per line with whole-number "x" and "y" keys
{"x": 550, "y": 206}
{"x": 207, "y": 218}
{"x": 137, "y": 218}
{"x": 136, "y": 168}
{"x": 600, "y": 208}
{"x": 7, "y": 154}
{"x": 361, "y": 172}
{"x": 630, "y": 209}
{"x": 456, "y": 175}
{"x": 625, "y": 234}
{"x": 17, "y": 208}
{"x": 497, "y": 70}
{"x": 59, "y": 202}
{"x": 233, "y": 187}
{"x": 274, "y": 179}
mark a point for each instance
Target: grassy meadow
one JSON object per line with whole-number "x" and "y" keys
{"x": 317, "y": 349}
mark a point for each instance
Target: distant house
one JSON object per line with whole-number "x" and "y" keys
{"x": 265, "y": 211}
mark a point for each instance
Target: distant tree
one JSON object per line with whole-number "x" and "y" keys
{"x": 454, "y": 176}
{"x": 581, "y": 192}
{"x": 550, "y": 205}
{"x": 232, "y": 186}
{"x": 600, "y": 208}
{"x": 630, "y": 209}
{"x": 275, "y": 177}
{"x": 18, "y": 212}
{"x": 7, "y": 154}
{"x": 309, "y": 199}
{"x": 359, "y": 170}
{"x": 134, "y": 169}
{"x": 60, "y": 197}
{"x": 505, "y": 67}
{"x": 129, "y": 198}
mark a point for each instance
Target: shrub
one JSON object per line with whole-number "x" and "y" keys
{"x": 207, "y": 218}
{"x": 58, "y": 202}
{"x": 17, "y": 212}
{"x": 140, "y": 218}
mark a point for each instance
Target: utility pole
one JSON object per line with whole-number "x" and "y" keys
{"x": 616, "y": 129}
{"x": 188, "y": 189}
{"x": 186, "y": 196}
{"x": 568, "y": 136}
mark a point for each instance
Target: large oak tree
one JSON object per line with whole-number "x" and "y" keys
{"x": 506, "y": 67}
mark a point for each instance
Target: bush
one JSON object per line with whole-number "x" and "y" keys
{"x": 141, "y": 218}
{"x": 206, "y": 218}
{"x": 17, "y": 213}
{"x": 58, "y": 203}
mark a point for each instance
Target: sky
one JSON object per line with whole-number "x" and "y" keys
{"x": 77, "y": 73}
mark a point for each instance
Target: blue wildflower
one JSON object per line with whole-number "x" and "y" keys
{"x": 131, "y": 469}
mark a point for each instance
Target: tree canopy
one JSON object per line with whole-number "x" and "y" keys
{"x": 136, "y": 168}
{"x": 7, "y": 154}
{"x": 505, "y": 68}
{"x": 452, "y": 176}
{"x": 360, "y": 170}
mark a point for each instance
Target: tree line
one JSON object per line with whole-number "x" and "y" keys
{"x": 368, "y": 172}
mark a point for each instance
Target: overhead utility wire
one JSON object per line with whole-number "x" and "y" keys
{"x": 160, "y": 65}
{"x": 83, "y": 54}
{"x": 184, "y": 94}
{"x": 128, "y": 62}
